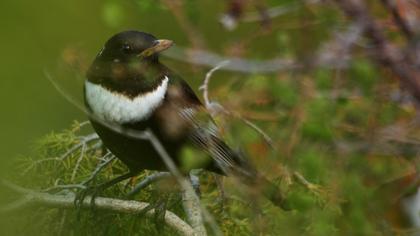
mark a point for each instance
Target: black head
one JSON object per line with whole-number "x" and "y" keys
{"x": 128, "y": 63}
{"x": 129, "y": 46}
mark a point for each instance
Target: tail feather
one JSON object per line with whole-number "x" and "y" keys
{"x": 230, "y": 162}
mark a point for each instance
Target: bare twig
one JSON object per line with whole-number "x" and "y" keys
{"x": 336, "y": 51}
{"x": 191, "y": 202}
{"x": 195, "y": 182}
{"x": 205, "y": 86}
{"x": 79, "y": 160}
{"x": 230, "y": 19}
{"x": 211, "y": 59}
{"x": 23, "y": 201}
{"x": 64, "y": 186}
{"x": 63, "y": 93}
{"x": 215, "y": 108}
{"x": 84, "y": 141}
{"x": 265, "y": 136}
{"x": 276, "y": 11}
{"x": 399, "y": 19}
{"x": 117, "y": 205}
{"x": 82, "y": 124}
{"x": 101, "y": 165}
{"x": 313, "y": 188}
{"x": 147, "y": 181}
{"x": 37, "y": 162}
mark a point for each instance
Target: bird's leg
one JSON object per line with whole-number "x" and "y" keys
{"x": 159, "y": 203}
{"x": 160, "y": 211}
{"x": 95, "y": 190}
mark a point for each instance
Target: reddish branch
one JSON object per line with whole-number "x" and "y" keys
{"x": 385, "y": 53}
{"x": 391, "y": 5}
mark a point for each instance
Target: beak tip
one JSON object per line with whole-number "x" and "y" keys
{"x": 160, "y": 45}
{"x": 166, "y": 42}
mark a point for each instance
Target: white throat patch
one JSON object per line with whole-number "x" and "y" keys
{"x": 117, "y": 108}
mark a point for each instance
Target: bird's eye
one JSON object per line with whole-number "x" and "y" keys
{"x": 126, "y": 48}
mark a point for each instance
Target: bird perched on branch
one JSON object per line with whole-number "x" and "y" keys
{"x": 128, "y": 86}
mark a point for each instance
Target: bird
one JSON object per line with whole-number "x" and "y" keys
{"x": 127, "y": 86}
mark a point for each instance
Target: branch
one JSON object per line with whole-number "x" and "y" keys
{"x": 315, "y": 189}
{"x": 117, "y": 205}
{"x": 215, "y": 108}
{"x": 192, "y": 205}
{"x": 100, "y": 166}
{"x": 276, "y": 11}
{"x": 211, "y": 59}
{"x": 205, "y": 85}
{"x": 83, "y": 142}
{"x": 398, "y": 18}
{"x": 230, "y": 21}
{"x": 147, "y": 181}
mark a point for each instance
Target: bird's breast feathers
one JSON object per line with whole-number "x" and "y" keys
{"x": 115, "y": 107}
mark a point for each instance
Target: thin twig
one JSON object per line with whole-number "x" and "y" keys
{"x": 101, "y": 165}
{"x": 63, "y": 93}
{"x": 212, "y": 59}
{"x": 23, "y": 201}
{"x": 214, "y": 108}
{"x": 84, "y": 141}
{"x": 37, "y": 162}
{"x": 398, "y": 18}
{"x": 195, "y": 182}
{"x": 64, "y": 186}
{"x": 82, "y": 124}
{"x": 276, "y": 11}
{"x": 117, "y": 205}
{"x": 205, "y": 86}
{"x": 79, "y": 160}
{"x": 265, "y": 136}
{"x": 147, "y": 181}
{"x": 313, "y": 188}
{"x": 192, "y": 204}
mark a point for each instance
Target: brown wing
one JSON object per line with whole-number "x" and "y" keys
{"x": 184, "y": 116}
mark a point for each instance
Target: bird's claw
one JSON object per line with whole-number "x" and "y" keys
{"x": 81, "y": 195}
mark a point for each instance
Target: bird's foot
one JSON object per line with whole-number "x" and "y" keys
{"x": 159, "y": 206}
{"x": 88, "y": 192}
